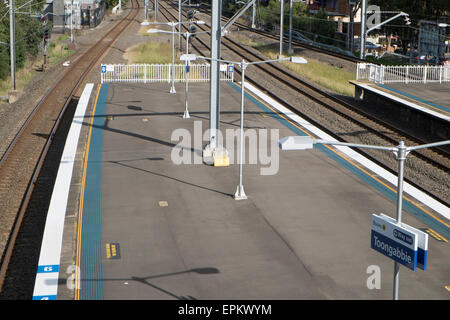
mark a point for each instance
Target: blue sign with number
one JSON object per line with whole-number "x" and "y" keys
{"x": 230, "y": 69}
{"x": 103, "y": 69}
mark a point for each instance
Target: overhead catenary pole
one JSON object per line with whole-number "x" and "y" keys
{"x": 12, "y": 44}
{"x": 362, "y": 47}
{"x": 290, "y": 51}
{"x": 71, "y": 21}
{"x": 179, "y": 25}
{"x": 253, "y": 15}
{"x": 145, "y": 9}
{"x": 281, "y": 27}
{"x": 214, "y": 73}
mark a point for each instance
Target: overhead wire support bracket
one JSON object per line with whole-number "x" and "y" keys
{"x": 236, "y": 16}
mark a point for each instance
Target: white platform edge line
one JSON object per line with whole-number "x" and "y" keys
{"x": 45, "y": 283}
{"x": 407, "y": 188}
{"x": 412, "y": 105}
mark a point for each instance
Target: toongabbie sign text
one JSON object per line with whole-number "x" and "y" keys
{"x": 400, "y": 242}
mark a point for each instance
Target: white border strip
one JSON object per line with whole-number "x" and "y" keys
{"x": 46, "y": 283}
{"x": 408, "y": 103}
{"x": 412, "y": 191}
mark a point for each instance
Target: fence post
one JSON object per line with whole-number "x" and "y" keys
{"x": 407, "y": 74}
{"x": 425, "y": 74}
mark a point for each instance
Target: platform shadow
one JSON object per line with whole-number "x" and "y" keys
{"x": 145, "y": 280}
{"x": 171, "y": 178}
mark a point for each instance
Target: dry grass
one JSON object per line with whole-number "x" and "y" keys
{"x": 332, "y": 78}
{"x": 23, "y": 76}
{"x": 56, "y": 52}
{"x": 150, "y": 52}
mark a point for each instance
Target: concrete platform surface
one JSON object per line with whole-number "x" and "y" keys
{"x": 177, "y": 232}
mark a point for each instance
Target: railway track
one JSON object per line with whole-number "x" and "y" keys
{"x": 295, "y": 42}
{"x": 390, "y": 135}
{"x": 23, "y": 160}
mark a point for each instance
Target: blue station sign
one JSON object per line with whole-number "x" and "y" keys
{"x": 394, "y": 241}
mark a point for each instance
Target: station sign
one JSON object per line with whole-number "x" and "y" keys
{"x": 422, "y": 242}
{"x": 103, "y": 69}
{"x": 394, "y": 241}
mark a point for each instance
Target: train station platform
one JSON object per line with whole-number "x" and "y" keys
{"x": 421, "y": 110}
{"x": 139, "y": 216}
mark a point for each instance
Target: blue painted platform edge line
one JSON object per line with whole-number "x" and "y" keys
{"x": 91, "y": 265}
{"x": 415, "y": 98}
{"x": 48, "y": 268}
{"x": 417, "y": 212}
{"x": 49, "y": 297}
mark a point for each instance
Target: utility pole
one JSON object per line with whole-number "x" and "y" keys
{"x": 12, "y": 44}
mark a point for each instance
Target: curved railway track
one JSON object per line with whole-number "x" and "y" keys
{"x": 439, "y": 159}
{"x": 21, "y": 163}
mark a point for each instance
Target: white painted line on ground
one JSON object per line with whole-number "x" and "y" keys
{"x": 408, "y": 103}
{"x": 46, "y": 284}
{"x": 407, "y": 188}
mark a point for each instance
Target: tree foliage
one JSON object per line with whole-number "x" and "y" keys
{"x": 29, "y": 33}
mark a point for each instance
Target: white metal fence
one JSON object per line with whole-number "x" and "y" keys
{"x": 404, "y": 74}
{"x": 145, "y": 73}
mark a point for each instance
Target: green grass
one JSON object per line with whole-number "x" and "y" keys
{"x": 58, "y": 49}
{"x": 330, "y": 77}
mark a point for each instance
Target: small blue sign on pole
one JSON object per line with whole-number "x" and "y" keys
{"x": 188, "y": 68}
{"x": 230, "y": 68}
{"x": 103, "y": 69}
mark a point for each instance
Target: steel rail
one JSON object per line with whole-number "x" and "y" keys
{"x": 123, "y": 24}
{"x": 295, "y": 110}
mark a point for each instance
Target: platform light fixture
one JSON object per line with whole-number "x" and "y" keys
{"x": 172, "y": 24}
{"x": 240, "y": 193}
{"x": 400, "y": 151}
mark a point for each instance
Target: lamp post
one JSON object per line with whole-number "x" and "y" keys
{"x": 172, "y": 24}
{"x": 290, "y": 51}
{"x": 240, "y": 194}
{"x": 188, "y": 34}
{"x": 401, "y": 151}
